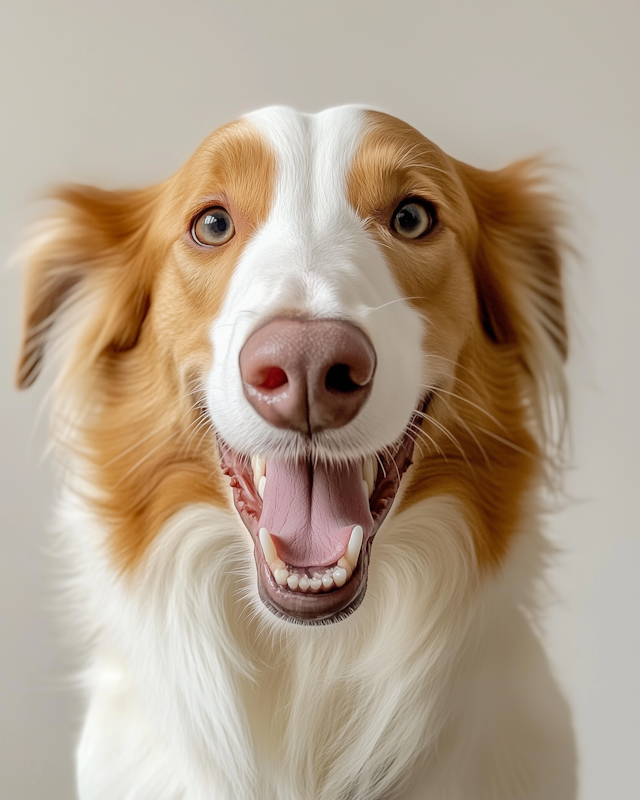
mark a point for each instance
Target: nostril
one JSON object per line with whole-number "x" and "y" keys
{"x": 307, "y": 375}
{"x": 274, "y": 379}
{"x": 338, "y": 379}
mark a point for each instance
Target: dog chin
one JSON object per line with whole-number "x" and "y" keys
{"x": 313, "y": 524}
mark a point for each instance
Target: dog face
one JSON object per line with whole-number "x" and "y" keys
{"x": 309, "y": 306}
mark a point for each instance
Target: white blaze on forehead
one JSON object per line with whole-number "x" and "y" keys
{"x": 314, "y": 155}
{"x": 312, "y": 231}
{"x": 313, "y": 256}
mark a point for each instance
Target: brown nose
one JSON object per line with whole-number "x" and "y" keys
{"x": 307, "y": 375}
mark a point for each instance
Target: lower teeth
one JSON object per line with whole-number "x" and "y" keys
{"x": 331, "y": 578}
{"x": 295, "y": 581}
{"x": 322, "y": 580}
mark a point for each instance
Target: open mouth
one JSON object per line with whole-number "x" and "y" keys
{"x": 313, "y": 524}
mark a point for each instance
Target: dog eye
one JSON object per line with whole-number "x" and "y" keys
{"x": 213, "y": 227}
{"x": 413, "y": 218}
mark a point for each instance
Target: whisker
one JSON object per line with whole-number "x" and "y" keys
{"x": 371, "y": 309}
{"x": 448, "y": 434}
{"x": 192, "y": 429}
{"x": 460, "y": 420}
{"x": 495, "y": 436}
{"x": 144, "y": 439}
{"x": 196, "y": 424}
{"x": 157, "y": 430}
{"x": 457, "y": 366}
{"x": 424, "y": 166}
{"x": 144, "y": 458}
{"x": 384, "y": 471}
{"x": 413, "y": 435}
{"x": 418, "y": 435}
{"x": 422, "y": 432}
{"x": 475, "y": 439}
{"x": 465, "y": 400}
{"x": 506, "y": 442}
{"x": 390, "y": 456}
{"x": 206, "y": 430}
{"x": 408, "y": 153}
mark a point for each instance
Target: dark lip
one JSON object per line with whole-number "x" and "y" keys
{"x": 324, "y": 607}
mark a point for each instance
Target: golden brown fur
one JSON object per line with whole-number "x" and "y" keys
{"x": 436, "y": 686}
{"x": 476, "y": 441}
{"x": 145, "y": 347}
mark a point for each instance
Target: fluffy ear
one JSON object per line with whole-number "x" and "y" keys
{"x": 518, "y": 268}
{"x": 87, "y": 258}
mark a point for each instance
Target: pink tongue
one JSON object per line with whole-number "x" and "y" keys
{"x": 310, "y": 512}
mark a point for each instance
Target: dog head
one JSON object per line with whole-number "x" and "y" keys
{"x": 308, "y": 306}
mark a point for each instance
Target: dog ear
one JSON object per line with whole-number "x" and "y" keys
{"x": 87, "y": 259}
{"x": 519, "y": 257}
{"x": 518, "y": 272}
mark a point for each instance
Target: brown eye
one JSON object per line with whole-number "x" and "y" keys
{"x": 413, "y": 218}
{"x": 213, "y": 227}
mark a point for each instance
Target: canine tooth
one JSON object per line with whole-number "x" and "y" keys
{"x": 327, "y": 581}
{"x": 281, "y": 576}
{"x": 277, "y": 564}
{"x": 303, "y": 584}
{"x": 370, "y": 473}
{"x": 355, "y": 543}
{"x": 261, "y": 484}
{"x": 365, "y": 486}
{"x": 259, "y": 466}
{"x": 339, "y": 576}
{"x": 268, "y": 547}
{"x": 293, "y": 580}
{"x": 346, "y": 566}
{"x": 315, "y": 584}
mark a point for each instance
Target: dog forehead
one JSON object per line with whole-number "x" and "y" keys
{"x": 313, "y": 153}
{"x": 303, "y": 256}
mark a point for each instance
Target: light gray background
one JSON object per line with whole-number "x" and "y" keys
{"x": 120, "y": 93}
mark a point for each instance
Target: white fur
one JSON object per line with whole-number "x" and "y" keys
{"x": 437, "y": 681}
{"x": 314, "y": 255}
{"x": 435, "y": 689}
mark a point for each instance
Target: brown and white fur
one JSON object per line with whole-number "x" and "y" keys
{"x": 437, "y": 686}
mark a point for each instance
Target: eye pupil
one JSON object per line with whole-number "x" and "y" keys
{"x": 216, "y": 223}
{"x": 213, "y": 227}
{"x": 408, "y": 218}
{"x": 413, "y": 219}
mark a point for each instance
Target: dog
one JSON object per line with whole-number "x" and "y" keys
{"x": 309, "y": 404}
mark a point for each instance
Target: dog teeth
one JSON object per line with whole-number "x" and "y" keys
{"x": 339, "y": 576}
{"x": 281, "y": 576}
{"x": 259, "y": 467}
{"x": 343, "y": 564}
{"x": 324, "y": 579}
{"x": 353, "y": 548}
{"x": 268, "y": 547}
{"x": 261, "y": 484}
{"x": 370, "y": 473}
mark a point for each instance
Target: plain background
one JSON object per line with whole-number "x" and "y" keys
{"x": 120, "y": 93}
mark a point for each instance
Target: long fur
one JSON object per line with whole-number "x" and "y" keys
{"x": 437, "y": 686}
